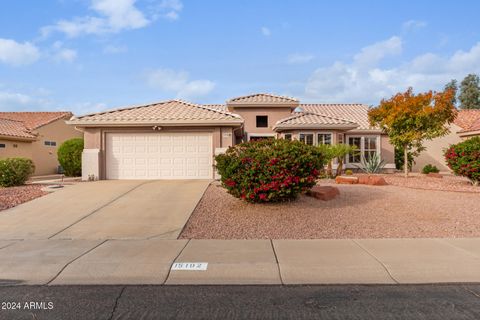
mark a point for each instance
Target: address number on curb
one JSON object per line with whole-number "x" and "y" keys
{"x": 190, "y": 266}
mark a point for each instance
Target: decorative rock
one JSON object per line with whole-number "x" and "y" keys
{"x": 376, "y": 181}
{"x": 434, "y": 175}
{"x": 346, "y": 180}
{"x": 324, "y": 193}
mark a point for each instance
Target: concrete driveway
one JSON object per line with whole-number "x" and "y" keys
{"x": 106, "y": 210}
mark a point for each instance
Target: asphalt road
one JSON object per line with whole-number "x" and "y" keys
{"x": 243, "y": 302}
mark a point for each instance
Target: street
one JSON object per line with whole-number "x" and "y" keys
{"x": 457, "y": 301}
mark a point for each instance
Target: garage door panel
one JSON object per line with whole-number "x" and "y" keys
{"x": 159, "y": 155}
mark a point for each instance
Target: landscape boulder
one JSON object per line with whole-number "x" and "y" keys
{"x": 324, "y": 193}
{"x": 346, "y": 180}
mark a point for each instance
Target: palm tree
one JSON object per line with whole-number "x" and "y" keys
{"x": 336, "y": 151}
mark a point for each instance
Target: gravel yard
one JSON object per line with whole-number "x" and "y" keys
{"x": 13, "y": 196}
{"x": 359, "y": 212}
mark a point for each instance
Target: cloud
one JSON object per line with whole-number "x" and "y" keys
{"x": 413, "y": 25}
{"x": 179, "y": 83}
{"x": 67, "y": 55}
{"x": 170, "y": 9}
{"x": 18, "y": 54}
{"x": 296, "y": 58}
{"x": 112, "y": 16}
{"x": 13, "y": 100}
{"x": 266, "y": 32}
{"x": 365, "y": 80}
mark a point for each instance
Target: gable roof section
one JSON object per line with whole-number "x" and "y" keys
{"x": 173, "y": 112}
{"x": 263, "y": 99}
{"x": 354, "y": 112}
{"x": 310, "y": 120}
{"x": 468, "y": 120}
{"x": 15, "y": 129}
{"x": 34, "y": 120}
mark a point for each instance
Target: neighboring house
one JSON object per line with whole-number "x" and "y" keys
{"x": 177, "y": 140}
{"x": 35, "y": 135}
{"x": 465, "y": 125}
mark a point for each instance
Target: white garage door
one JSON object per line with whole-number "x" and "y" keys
{"x": 159, "y": 155}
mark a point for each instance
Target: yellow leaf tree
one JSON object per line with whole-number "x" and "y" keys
{"x": 409, "y": 119}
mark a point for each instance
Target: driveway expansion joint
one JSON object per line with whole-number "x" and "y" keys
{"x": 376, "y": 259}
{"x": 175, "y": 260}
{"x": 278, "y": 263}
{"x": 101, "y": 207}
{"x": 73, "y": 260}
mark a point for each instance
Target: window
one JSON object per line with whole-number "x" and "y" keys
{"x": 15, "y": 145}
{"x": 355, "y": 157}
{"x": 50, "y": 143}
{"x": 258, "y": 138}
{"x": 287, "y": 136}
{"x": 2, "y": 145}
{"x": 369, "y": 147}
{"x": 324, "y": 138}
{"x": 306, "y": 138}
{"x": 262, "y": 121}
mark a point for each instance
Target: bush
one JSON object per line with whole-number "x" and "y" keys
{"x": 430, "y": 168}
{"x": 270, "y": 170}
{"x": 464, "y": 159}
{"x": 348, "y": 172}
{"x": 70, "y": 157}
{"x": 15, "y": 171}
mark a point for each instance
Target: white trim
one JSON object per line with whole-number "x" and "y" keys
{"x": 314, "y": 140}
{"x": 362, "y": 145}
{"x": 326, "y": 132}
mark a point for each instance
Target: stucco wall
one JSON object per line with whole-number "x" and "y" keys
{"x": 45, "y": 157}
{"x": 22, "y": 149}
{"x": 434, "y": 151}
{"x": 249, "y": 115}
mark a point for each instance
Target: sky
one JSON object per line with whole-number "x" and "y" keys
{"x": 91, "y": 55}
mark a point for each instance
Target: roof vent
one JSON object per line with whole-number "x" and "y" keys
{"x": 298, "y": 109}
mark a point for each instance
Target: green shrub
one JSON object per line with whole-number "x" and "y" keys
{"x": 464, "y": 159}
{"x": 15, "y": 171}
{"x": 70, "y": 157}
{"x": 348, "y": 172}
{"x": 430, "y": 168}
{"x": 270, "y": 170}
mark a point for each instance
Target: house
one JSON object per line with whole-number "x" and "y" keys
{"x": 465, "y": 125}
{"x": 35, "y": 135}
{"x": 177, "y": 139}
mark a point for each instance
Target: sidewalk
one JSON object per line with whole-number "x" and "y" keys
{"x": 363, "y": 261}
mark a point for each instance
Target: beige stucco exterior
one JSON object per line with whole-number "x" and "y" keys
{"x": 433, "y": 154}
{"x": 44, "y": 157}
{"x": 95, "y": 138}
{"x": 249, "y": 115}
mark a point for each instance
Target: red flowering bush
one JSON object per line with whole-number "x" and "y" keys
{"x": 464, "y": 159}
{"x": 270, "y": 170}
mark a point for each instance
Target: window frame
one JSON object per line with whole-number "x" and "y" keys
{"x": 288, "y": 134}
{"x": 256, "y": 121}
{"x": 50, "y": 143}
{"x": 3, "y": 146}
{"x": 309, "y": 133}
{"x": 362, "y": 146}
{"x": 324, "y": 133}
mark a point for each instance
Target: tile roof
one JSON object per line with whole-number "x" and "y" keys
{"x": 468, "y": 120}
{"x": 34, "y": 120}
{"x": 173, "y": 111}
{"x": 263, "y": 98}
{"x": 15, "y": 129}
{"x": 357, "y": 113}
{"x": 313, "y": 120}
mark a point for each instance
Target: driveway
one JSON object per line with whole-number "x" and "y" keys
{"x": 119, "y": 209}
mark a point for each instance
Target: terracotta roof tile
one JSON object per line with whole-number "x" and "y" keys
{"x": 262, "y": 98}
{"x": 174, "y": 111}
{"x": 15, "y": 129}
{"x": 34, "y": 120}
{"x": 312, "y": 120}
{"x": 468, "y": 120}
{"x": 357, "y": 113}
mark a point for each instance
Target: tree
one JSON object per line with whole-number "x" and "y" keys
{"x": 70, "y": 157}
{"x": 410, "y": 118}
{"x": 336, "y": 151}
{"x": 452, "y": 85}
{"x": 470, "y": 92}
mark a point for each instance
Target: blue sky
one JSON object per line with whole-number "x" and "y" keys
{"x": 91, "y": 55}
